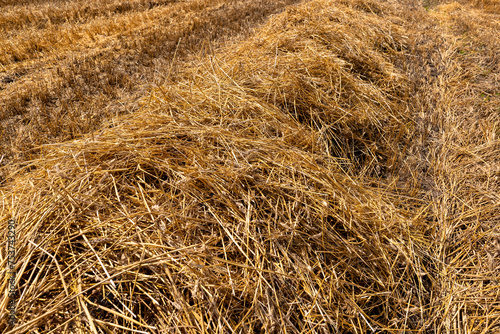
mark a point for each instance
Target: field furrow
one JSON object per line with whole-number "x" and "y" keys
{"x": 16, "y": 18}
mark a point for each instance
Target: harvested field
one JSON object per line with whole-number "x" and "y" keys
{"x": 332, "y": 168}
{"x": 66, "y": 67}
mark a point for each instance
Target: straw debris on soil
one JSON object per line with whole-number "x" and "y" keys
{"x": 336, "y": 171}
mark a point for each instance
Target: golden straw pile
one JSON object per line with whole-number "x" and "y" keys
{"x": 336, "y": 172}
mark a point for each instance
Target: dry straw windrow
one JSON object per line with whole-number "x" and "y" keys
{"x": 328, "y": 174}
{"x": 73, "y": 66}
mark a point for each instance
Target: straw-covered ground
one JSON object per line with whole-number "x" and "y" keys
{"x": 67, "y": 66}
{"x": 334, "y": 170}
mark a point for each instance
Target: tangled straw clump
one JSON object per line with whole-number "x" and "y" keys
{"x": 330, "y": 73}
{"x": 251, "y": 193}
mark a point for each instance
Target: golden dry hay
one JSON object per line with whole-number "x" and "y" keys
{"x": 335, "y": 171}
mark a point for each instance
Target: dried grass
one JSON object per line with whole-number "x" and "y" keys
{"x": 75, "y": 75}
{"x": 335, "y": 172}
